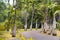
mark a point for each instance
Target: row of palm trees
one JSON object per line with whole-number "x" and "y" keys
{"x": 44, "y": 11}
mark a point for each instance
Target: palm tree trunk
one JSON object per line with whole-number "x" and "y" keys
{"x": 32, "y": 17}
{"x": 54, "y": 26}
{"x": 26, "y": 16}
{"x": 36, "y": 25}
{"x": 45, "y": 21}
{"x": 31, "y": 25}
{"x": 8, "y": 16}
{"x": 25, "y": 23}
{"x": 54, "y": 22}
{"x": 32, "y": 20}
{"x": 14, "y": 31}
{"x": 14, "y": 27}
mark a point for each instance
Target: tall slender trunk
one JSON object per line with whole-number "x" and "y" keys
{"x": 45, "y": 22}
{"x": 45, "y": 19}
{"x": 36, "y": 25}
{"x": 26, "y": 15}
{"x": 42, "y": 26}
{"x": 14, "y": 31}
{"x": 25, "y": 23}
{"x": 45, "y": 26}
{"x": 31, "y": 25}
{"x": 50, "y": 25}
{"x": 32, "y": 20}
{"x": 8, "y": 15}
{"x": 54, "y": 22}
{"x": 32, "y": 17}
{"x": 14, "y": 27}
{"x": 54, "y": 25}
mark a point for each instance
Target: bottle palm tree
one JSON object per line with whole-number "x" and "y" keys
{"x": 14, "y": 27}
{"x": 32, "y": 16}
{"x": 45, "y": 18}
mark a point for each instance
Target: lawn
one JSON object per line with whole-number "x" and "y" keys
{"x": 5, "y": 35}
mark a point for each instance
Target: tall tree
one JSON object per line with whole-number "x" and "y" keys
{"x": 14, "y": 27}
{"x": 32, "y": 15}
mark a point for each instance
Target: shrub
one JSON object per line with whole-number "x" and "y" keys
{"x": 2, "y": 28}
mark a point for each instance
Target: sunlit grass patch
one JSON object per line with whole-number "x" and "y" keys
{"x": 1, "y": 33}
{"x": 6, "y": 34}
{"x": 58, "y": 33}
{"x": 22, "y": 38}
{"x": 30, "y": 38}
{"x": 2, "y": 38}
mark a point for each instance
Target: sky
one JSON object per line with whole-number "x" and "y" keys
{"x": 11, "y": 2}
{"x": 6, "y": 1}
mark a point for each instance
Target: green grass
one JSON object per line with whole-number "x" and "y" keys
{"x": 6, "y": 35}
{"x": 2, "y": 38}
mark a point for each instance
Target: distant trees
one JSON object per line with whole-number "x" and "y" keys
{"x": 2, "y": 11}
{"x": 3, "y": 15}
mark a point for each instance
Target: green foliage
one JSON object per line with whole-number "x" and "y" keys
{"x": 2, "y": 27}
{"x": 2, "y": 12}
{"x": 55, "y": 8}
{"x": 26, "y": 7}
{"x": 58, "y": 27}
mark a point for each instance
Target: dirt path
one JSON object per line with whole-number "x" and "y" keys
{"x": 37, "y": 36}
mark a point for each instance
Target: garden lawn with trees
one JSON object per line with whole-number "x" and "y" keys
{"x": 18, "y": 16}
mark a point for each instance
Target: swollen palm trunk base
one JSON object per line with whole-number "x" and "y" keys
{"x": 54, "y": 27}
{"x": 46, "y": 27}
{"x": 14, "y": 31}
{"x": 25, "y": 27}
{"x": 31, "y": 27}
{"x": 36, "y": 25}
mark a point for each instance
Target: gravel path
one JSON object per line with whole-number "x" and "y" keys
{"x": 37, "y": 36}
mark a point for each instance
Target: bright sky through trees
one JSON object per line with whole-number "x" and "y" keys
{"x": 6, "y": 1}
{"x": 11, "y": 2}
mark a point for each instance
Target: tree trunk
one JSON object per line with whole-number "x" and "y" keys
{"x": 25, "y": 26}
{"x": 54, "y": 26}
{"x": 36, "y": 25}
{"x": 45, "y": 22}
{"x": 32, "y": 20}
{"x": 45, "y": 18}
{"x": 54, "y": 22}
{"x": 31, "y": 26}
{"x": 14, "y": 31}
{"x": 42, "y": 26}
{"x": 8, "y": 15}
{"x": 32, "y": 17}
{"x": 14, "y": 27}
{"x": 45, "y": 26}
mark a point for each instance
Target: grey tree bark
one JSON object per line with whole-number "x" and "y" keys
{"x": 31, "y": 20}
{"x": 32, "y": 16}
{"x": 25, "y": 23}
{"x": 14, "y": 27}
{"x": 36, "y": 25}
{"x": 8, "y": 15}
{"x": 45, "y": 18}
